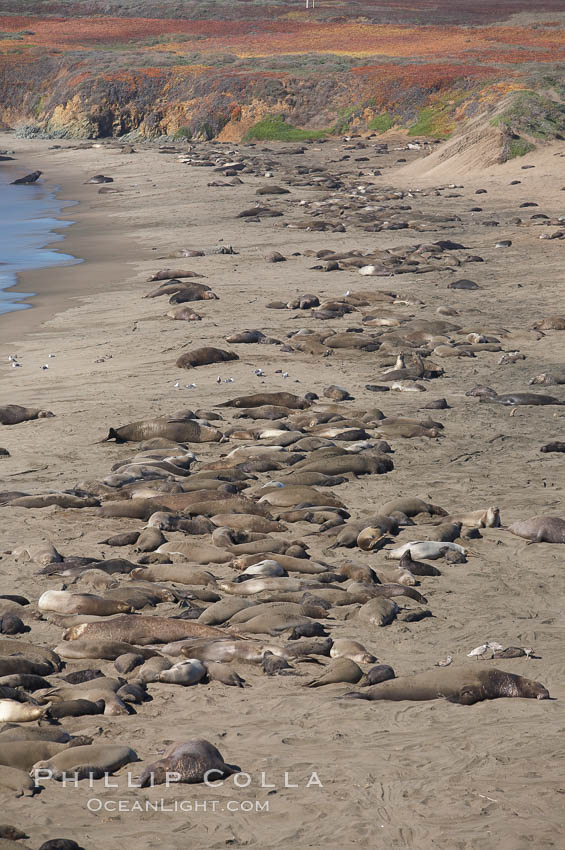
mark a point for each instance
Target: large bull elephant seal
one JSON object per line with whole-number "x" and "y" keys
{"x": 464, "y": 685}
{"x": 193, "y": 761}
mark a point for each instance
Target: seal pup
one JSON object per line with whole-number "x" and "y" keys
{"x": 463, "y": 685}
{"x": 191, "y": 761}
{"x": 377, "y": 674}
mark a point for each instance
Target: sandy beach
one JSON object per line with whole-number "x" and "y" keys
{"x": 394, "y": 774}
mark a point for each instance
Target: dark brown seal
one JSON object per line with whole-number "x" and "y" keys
{"x": 204, "y": 356}
{"x": 289, "y": 400}
{"x": 464, "y": 685}
{"x": 178, "y": 428}
{"x": 12, "y": 414}
{"x": 490, "y": 396}
{"x": 192, "y": 761}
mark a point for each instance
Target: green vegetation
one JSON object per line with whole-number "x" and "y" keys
{"x": 183, "y": 133}
{"x": 381, "y": 123}
{"x": 344, "y": 117}
{"x": 432, "y": 122}
{"x": 535, "y": 115}
{"x": 274, "y": 128}
{"x": 519, "y": 147}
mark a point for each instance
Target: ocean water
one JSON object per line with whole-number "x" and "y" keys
{"x": 28, "y": 215}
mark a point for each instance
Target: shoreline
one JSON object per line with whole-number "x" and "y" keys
{"x": 54, "y": 286}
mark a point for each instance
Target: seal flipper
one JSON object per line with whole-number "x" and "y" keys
{"x": 354, "y": 695}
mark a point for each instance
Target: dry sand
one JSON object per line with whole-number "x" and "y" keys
{"x": 415, "y": 775}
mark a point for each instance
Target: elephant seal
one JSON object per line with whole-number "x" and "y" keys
{"x": 108, "y": 650}
{"x": 248, "y": 522}
{"x": 29, "y": 178}
{"x": 19, "y": 781}
{"x": 282, "y": 399}
{"x": 272, "y": 623}
{"x": 191, "y": 761}
{"x": 490, "y": 396}
{"x": 285, "y": 497}
{"x": 203, "y": 553}
{"x": 378, "y": 611}
{"x": 76, "y": 708}
{"x": 141, "y": 630}
{"x": 223, "y": 650}
{"x": 352, "y": 649}
{"x": 377, "y": 674}
{"x": 24, "y": 754}
{"x": 11, "y": 833}
{"x": 13, "y": 414}
{"x": 204, "y": 357}
{"x": 464, "y": 685}
{"x": 275, "y": 665}
{"x": 20, "y": 712}
{"x": 175, "y": 428}
{"x": 540, "y": 529}
{"x": 220, "y": 612}
{"x": 417, "y": 568}
{"x": 339, "y": 670}
{"x": 411, "y": 506}
{"x": 40, "y": 553}
{"x": 223, "y": 673}
{"x": 488, "y": 518}
{"x": 93, "y": 761}
{"x": 64, "y": 602}
{"x": 47, "y": 500}
{"x": 187, "y": 672}
{"x": 445, "y": 532}
{"x": 430, "y": 549}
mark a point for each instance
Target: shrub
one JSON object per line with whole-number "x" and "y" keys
{"x": 275, "y": 128}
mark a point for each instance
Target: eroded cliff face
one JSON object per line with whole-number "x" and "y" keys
{"x": 200, "y": 102}
{"x": 51, "y": 93}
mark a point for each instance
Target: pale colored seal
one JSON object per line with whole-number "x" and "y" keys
{"x": 65, "y": 602}
{"x": 187, "y": 672}
{"x": 190, "y": 761}
{"x": 540, "y": 529}
{"x": 430, "y": 549}
{"x": 465, "y": 685}
{"x": 352, "y": 649}
{"x": 487, "y": 518}
{"x": 20, "y": 712}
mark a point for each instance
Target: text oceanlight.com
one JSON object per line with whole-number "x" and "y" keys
{"x": 95, "y": 804}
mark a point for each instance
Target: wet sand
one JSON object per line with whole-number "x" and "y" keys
{"x": 417, "y": 775}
